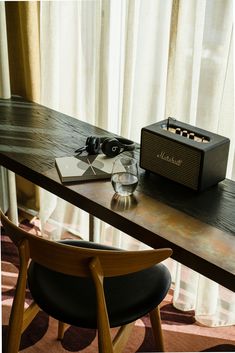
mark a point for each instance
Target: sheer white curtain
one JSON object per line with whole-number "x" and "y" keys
{"x": 4, "y": 93}
{"x": 200, "y": 91}
{"x": 8, "y": 195}
{"x": 124, "y": 64}
{"x": 100, "y": 65}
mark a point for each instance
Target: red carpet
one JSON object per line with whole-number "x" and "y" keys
{"x": 181, "y": 332}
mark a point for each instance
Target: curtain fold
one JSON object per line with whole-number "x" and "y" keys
{"x": 5, "y": 91}
{"x": 22, "y": 19}
{"x": 23, "y": 48}
{"x": 8, "y": 199}
{"x": 200, "y": 92}
{"x": 122, "y": 65}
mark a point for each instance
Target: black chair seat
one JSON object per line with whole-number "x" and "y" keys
{"x": 128, "y": 297}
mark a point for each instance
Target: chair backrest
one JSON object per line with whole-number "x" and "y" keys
{"x": 73, "y": 260}
{"x": 76, "y": 261}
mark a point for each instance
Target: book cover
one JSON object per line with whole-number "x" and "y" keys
{"x": 82, "y": 168}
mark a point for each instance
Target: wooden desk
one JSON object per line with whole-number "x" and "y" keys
{"x": 200, "y": 228}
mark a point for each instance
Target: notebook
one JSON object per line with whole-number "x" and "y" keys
{"x": 82, "y": 168}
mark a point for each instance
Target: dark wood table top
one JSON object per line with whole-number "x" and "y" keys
{"x": 199, "y": 227}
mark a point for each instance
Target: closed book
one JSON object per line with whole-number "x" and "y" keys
{"x": 82, "y": 168}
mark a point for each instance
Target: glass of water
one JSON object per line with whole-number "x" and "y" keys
{"x": 124, "y": 175}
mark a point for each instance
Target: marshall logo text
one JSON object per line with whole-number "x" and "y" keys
{"x": 170, "y": 159}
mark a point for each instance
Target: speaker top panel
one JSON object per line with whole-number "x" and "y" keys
{"x": 186, "y": 134}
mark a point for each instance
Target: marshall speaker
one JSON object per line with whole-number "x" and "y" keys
{"x": 183, "y": 153}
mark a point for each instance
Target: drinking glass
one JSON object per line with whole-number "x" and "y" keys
{"x": 124, "y": 175}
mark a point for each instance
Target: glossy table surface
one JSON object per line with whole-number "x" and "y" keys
{"x": 199, "y": 227}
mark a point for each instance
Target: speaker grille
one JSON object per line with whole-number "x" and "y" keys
{"x": 170, "y": 159}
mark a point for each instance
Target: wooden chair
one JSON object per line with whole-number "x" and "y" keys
{"x": 88, "y": 285}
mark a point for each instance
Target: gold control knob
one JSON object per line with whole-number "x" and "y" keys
{"x": 178, "y": 130}
{"x": 191, "y": 135}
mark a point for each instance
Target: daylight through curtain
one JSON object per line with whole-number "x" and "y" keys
{"x": 135, "y": 63}
{"x": 122, "y": 65}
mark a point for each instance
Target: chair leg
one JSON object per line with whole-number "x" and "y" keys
{"x": 157, "y": 328}
{"x": 17, "y": 311}
{"x": 61, "y": 329}
{"x": 122, "y": 337}
{"x": 29, "y": 315}
{"x": 14, "y": 330}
